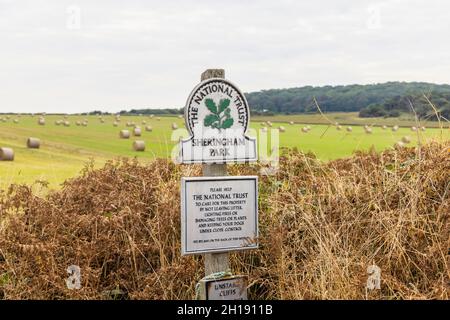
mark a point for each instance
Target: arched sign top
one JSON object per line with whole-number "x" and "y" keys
{"x": 218, "y": 104}
{"x": 217, "y": 116}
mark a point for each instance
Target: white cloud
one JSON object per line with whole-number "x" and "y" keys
{"x": 151, "y": 53}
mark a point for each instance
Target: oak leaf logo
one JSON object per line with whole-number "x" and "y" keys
{"x": 220, "y": 117}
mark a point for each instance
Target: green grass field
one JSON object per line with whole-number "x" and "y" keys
{"x": 348, "y": 118}
{"x": 65, "y": 150}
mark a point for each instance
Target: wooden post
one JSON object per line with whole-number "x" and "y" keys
{"x": 215, "y": 262}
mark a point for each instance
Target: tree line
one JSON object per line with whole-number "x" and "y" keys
{"x": 382, "y": 99}
{"x": 388, "y": 99}
{"x": 422, "y": 105}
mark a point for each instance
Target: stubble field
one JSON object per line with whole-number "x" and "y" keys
{"x": 65, "y": 150}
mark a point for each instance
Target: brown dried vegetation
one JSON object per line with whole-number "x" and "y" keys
{"x": 321, "y": 226}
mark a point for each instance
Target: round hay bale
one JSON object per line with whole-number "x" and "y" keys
{"x": 395, "y": 128}
{"x": 144, "y": 122}
{"x": 282, "y": 129}
{"x": 305, "y": 129}
{"x": 139, "y": 145}
{"x": 174, "y": 126}
{"x": 263, "y": 124}
{"x": 151, "y": 116}
{"x": 308, "y": 127}
{"x": 66, "y": 123}
{"x": 102, "y": 120}
{"x": 33, "y": 143}
{"x": 84, "y": 123}
{"x": 41, "y": 121}
{"x": 423, "y": 128}
{"x": 158, "y": 119}
{"x": 406, "y": 139}
{"x": 180, "y": 116}
{"x": 16, "y": 121}
{"x": 57, "y": 122}
{"x": 149, "y": 128}
{"x": 269, "y": 123}
{"x": 339, "y": 127}
{"x": 384, "y": 127}
{"x": 291, "y": 123}
{"x": 137, "y": 132}
{"x": 6, "y": 154}
{"x": 413, "y": 128}
{"x": 8, "y": 117}
{"x": 124, "y": 134}
{"x": 368, "y": 130}
{"x": 78, "y": 123}
{"x": 115, "y": 124}
{"x": 349, "y": 129}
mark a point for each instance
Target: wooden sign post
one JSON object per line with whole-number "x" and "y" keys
{"x": 215, "y": 262}
{"x": 218, "y": 214}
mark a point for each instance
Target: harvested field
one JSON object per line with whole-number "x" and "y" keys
{"x": 66, "y": 149}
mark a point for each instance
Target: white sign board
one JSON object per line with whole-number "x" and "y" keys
{"x": 217, "y": 117}
{"x": 232, "y": 288}
{"x": 219, "y": 214}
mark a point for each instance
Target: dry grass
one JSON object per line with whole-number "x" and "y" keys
{"x": 321, "y": 226}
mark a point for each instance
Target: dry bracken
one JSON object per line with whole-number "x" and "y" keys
{"x": 321, "y": 226}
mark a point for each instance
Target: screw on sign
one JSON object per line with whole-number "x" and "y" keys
{"x": 219, "y": 213}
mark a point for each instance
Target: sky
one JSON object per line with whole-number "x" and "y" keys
{"x": 78, "y": 56}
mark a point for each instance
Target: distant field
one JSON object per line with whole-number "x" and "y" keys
{"x": 352, "y": 118}
{"x": 65, "y": 150}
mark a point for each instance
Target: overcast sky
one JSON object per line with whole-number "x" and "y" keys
{"x": 75, "y": 56}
